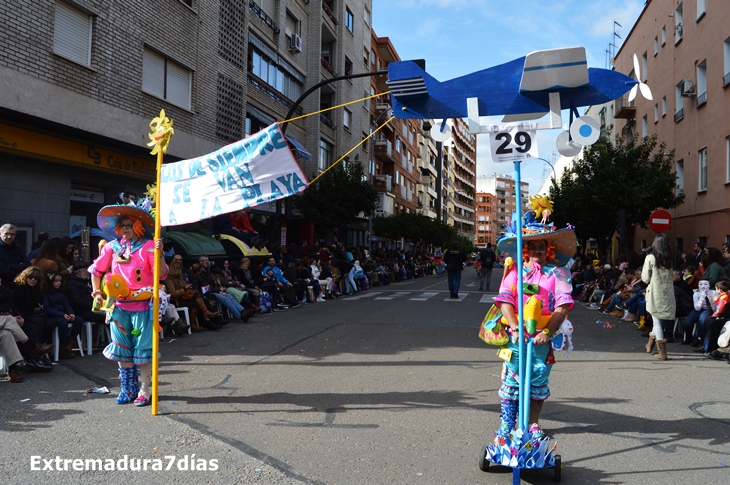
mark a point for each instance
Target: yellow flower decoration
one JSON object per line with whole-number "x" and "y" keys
{"x": 542, "y": 206}
{"x": 152, "y": 195}
{"x": 161, "y": 127}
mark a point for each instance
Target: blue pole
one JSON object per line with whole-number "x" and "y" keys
{"x": 520, "y": 318}
{"x": 527, "y": 390}
{"x": 520, "y": 294}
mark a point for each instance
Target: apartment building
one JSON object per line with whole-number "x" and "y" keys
{"x": 487, "y": 228}
{"x": 506, "y": 196}
{"x": 460, "y": 178}
{"x": 428, "y": 165}
{"x": 396, "y": 147}
{"x": 683, "y": 49}
{"x": 83, "y": 78}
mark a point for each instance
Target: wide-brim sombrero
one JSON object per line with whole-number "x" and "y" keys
{"x": 110, "y": 215}
{"x": 563, "y": 239}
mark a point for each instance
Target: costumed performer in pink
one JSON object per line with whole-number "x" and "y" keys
{"x": 130, "y": 261}
{"x": 545, "y": 253}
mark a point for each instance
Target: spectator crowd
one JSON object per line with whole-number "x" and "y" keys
{"x": 49, "y": 290}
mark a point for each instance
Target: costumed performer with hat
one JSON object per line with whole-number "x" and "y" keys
{"x": 545, "y": 255}
{"x": 129, "y": 262}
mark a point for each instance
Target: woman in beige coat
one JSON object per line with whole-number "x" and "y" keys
{"x": 657, "y": 273}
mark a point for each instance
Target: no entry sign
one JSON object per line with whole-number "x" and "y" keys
{"x": 660, "y": 220}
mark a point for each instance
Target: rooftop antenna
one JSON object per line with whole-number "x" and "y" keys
{"x": 612, "y": 47}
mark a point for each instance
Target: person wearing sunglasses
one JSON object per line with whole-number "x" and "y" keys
{"x": 130, "y": 258}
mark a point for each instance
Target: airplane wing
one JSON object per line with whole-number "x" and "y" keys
{"x": 554, "y": 70}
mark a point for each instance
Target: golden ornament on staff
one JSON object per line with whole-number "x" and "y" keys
{"x": 162, "y": 130}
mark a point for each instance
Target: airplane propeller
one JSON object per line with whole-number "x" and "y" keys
{"x": 645, "y": 91}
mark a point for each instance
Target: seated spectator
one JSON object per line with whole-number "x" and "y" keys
{"x": 704, "y": 305}
{"x": 27, "y": 343}
{"x": 622, "y": 293}
{"x": 713, "y": 262}
{"x": 250, "y": 282}
{"x": 65, "y": 251}
{"x": 300, "y": 287}
{"x": 47, "y": 258}
{"x": 26, "y": 294}
{"x": 324, "y": 284}
{"x": 12, "y": 260}
{"x": 284, "y": 286}
{"x": 208, "y": 284}
{"x": 59, "y": 310}
{"x": 42, "y": 237}
{"x": 78, "y": 291}
{"x": 308, "y": 280}
{"x": 182, "y": 294}
{"x": 234, "y": 289}
{"x": 717, "y": 321}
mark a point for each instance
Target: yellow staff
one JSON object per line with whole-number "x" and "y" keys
{"x": 161, "y": 127}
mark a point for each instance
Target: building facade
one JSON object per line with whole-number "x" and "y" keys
{"x": 396, "y": 148}
{"x": 460, "y": 178}
{"x": 500, "y": 200}
{"x": 684, "y": 57}
{"x": 487, "y": 229}
{"x": 83, "y": 78}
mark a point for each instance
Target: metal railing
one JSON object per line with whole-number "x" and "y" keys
{"x": 702, "y": 99}
{"x": 679, "y": 115}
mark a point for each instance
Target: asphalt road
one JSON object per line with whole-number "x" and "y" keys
{"x": 391, "y": 386}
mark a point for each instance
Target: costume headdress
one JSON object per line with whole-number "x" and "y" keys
{"x": 563, "y": 239}
{"x": 110, "y": 215}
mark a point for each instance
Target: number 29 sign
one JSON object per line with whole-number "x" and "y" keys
{"x": 513, "y": 144}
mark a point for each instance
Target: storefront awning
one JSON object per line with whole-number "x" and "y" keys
{"x": 298, "y": 149}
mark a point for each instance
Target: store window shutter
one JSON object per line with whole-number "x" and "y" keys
{"x": 72, "y": 34}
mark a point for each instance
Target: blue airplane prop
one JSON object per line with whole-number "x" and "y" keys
{"x": 519, "y": 87}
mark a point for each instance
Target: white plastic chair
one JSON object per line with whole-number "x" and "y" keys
{"x": 186, "y": 315}
{"x": 78, "y": 341}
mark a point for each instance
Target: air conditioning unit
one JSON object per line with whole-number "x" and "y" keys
{"x": 687, "y": 88}
{"x": 295, "y": 43}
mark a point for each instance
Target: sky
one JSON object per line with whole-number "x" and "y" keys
{"x": 458, "y": 37}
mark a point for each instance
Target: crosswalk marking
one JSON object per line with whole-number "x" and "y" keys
{"x": 424, "y": 296}
{"x": 461, "y": 297}
{"x": 486, "y": 299}
{"x": 360, "y": 295}
{"x": 397, "y": 295}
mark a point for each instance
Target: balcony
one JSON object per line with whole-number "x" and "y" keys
{"x": 327, "y": 10}
{"x": 259, "y": 12}
{"x": 624, "y": 109}
{"x": 426, "y": 167}
{"x": 384, "y": 151}
{"x": 326, "y": 65}
{"x": 679, "y": 115}
{"x": 701, "y": 99}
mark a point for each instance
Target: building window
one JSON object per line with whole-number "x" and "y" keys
{"x": 325, "y": 154}
{"x": 373, "y": 57}
{"x": 726, "y": 63}
{"x": 644, "y": 67}
{"x": 349, "y": 20}
{"x": 273, "y": 74}
{"x": 166, "y": 79}
{"x": 366, "y": 16}
{"x": 727, "y": 159}
{"x": 680, "y": 176}
{"x": 348, "y": 66}
{"x": 364, "y": 145}
{"x": 72, "y": 31}
{"x": 656, "y": 45}
{"x": 702, "y": 83}
{"x": 644, "y": 126}
{"x": 703, "y": 170}
{"x": 679, "y": 112}
{"x": 656, "y": 113}
{"x": 680, "y": 245}
{"x": 678, "y": 25}
{"x": 664, "y": 35}
{"x": 347, "y": 119}
{"x": 701, "y": 9}
{"x": 664, "y": 105}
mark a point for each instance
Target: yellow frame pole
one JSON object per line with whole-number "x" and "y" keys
{"x": 156, "y": 294}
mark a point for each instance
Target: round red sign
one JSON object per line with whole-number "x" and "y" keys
{"x": 660, "y": 220}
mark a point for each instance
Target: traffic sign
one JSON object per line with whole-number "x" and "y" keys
{"x": 660, "y": 220}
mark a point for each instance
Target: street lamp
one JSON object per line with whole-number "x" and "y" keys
{"x": 371, "y": 168}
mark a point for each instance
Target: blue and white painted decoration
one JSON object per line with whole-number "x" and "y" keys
{"x": 253, "y": 171}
